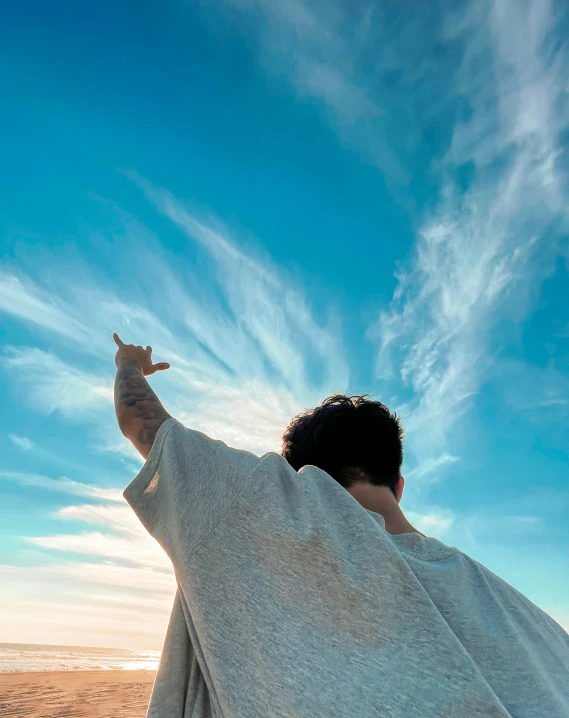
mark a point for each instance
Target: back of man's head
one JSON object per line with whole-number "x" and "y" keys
{"x": 352, "y": 438}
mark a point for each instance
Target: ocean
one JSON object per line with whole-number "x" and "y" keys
{"x": 24, "y": 657}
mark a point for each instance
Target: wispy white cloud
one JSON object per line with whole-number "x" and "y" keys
{"x": 117, "y": 518}
{"x": 62, "y": 484}
{"x": 57, "y": 459}
{"x": 483, "y": 251}
{"x": 431, "y": 466}
{"x": 144, "y": 551}
{"x": 122, "y": 539}
{"x": 24, "y": 300}
{"x": 22, "y": 442}
{"x": 139, "y": 579}
{"x": 274, "y": 322}
{"x": 436, "y": 523}
{"x": 103, "y": 581}
{"x": 52, "y": 385}
{"x": 242, "y": 366}
{"x": 324, "y": 51}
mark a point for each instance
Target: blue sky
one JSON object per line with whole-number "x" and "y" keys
{"x": 286, "y": 200}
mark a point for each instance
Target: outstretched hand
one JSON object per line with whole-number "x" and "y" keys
{"x": 139, "y": 354}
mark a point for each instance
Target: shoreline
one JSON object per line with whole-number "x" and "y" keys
{"x": 72, "y": 671}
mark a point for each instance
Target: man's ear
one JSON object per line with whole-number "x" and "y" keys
{"x": 399, "y": 489}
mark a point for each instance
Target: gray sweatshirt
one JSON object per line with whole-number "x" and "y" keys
{"x": 294, "y": 602}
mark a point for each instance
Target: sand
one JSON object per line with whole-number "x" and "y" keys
{"x": 75, "y": 694}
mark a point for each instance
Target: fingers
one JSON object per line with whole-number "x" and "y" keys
{"x": 161, "y": 366}
{"x": 149, "y": 368}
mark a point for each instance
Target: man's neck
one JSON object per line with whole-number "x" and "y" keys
{"x": 381, "y": 500}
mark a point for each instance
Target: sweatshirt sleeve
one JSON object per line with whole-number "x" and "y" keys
{"x": 186, "y": 487}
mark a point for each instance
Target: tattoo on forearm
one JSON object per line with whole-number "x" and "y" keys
{"x": 135, "y": 400}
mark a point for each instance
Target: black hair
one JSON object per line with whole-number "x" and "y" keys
{"x": 352, "y": 438}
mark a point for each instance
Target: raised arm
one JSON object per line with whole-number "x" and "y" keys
{"x": 139, "y": 411}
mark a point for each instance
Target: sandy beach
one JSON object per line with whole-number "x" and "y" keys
{"x": 75, "y": 694}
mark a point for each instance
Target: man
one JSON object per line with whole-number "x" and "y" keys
{"x": 304, "y": 591}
